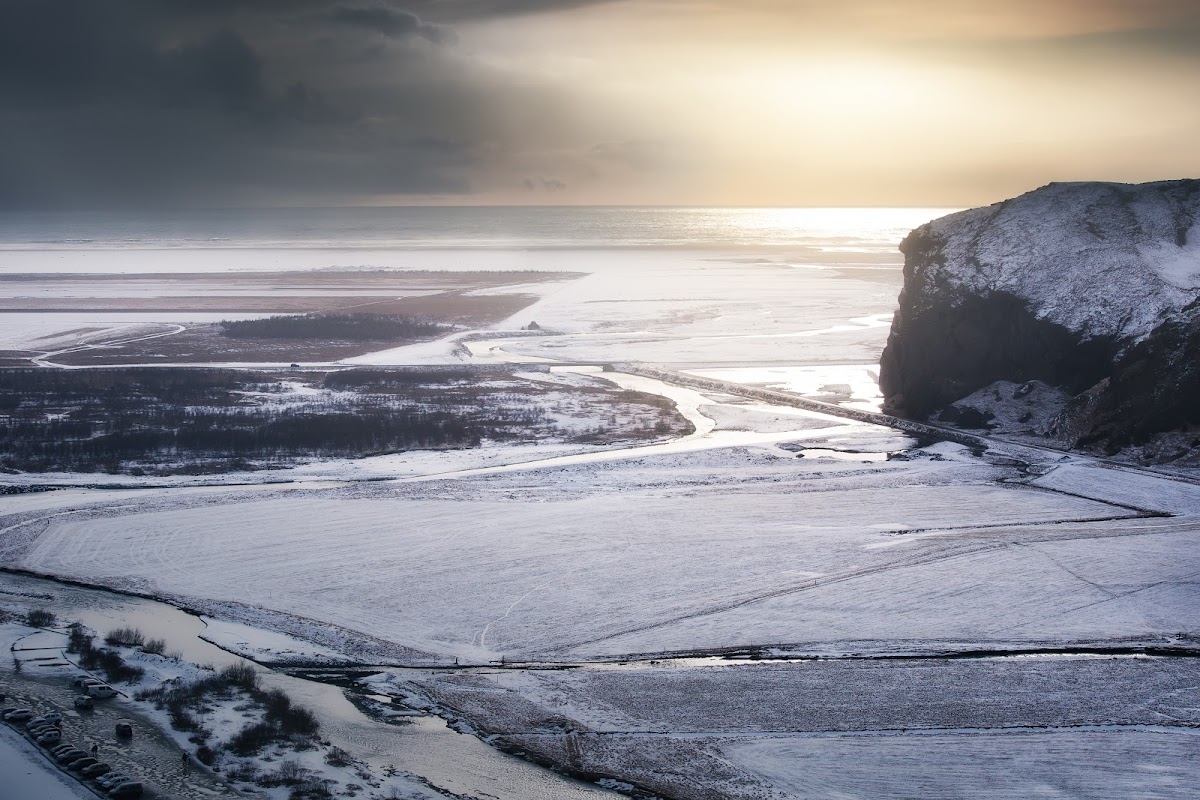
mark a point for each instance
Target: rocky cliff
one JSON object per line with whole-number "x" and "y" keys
{"x": 1093, "y": 288}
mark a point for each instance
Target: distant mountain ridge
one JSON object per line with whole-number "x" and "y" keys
{"x": 1092, "y": 288}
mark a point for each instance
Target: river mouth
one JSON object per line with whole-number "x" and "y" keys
{"x": 455, "y": 763}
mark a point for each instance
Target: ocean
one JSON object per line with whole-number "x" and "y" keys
{"x": 555, "y": 227}
{"x": 711, "y": 286}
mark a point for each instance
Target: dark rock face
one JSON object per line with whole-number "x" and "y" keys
{"x": 1091, "y": 288}
{"x": 950, "y": 351}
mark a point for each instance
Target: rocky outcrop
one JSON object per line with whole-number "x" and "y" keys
{"x": 1092, "y": 288}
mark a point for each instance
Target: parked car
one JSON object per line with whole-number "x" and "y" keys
{"x": 78, "y": 766}
{"x": 62, "y": 748}
{"x": 50, "y": 738}
{"x": 53, "y": 717}
{"x": 101, "y": 691}
{"x": 18, "y": 715}
{"x": 112, "y": 779}
{"x": 127, "y": 789}
{"x": 67, "y": 756}
{"x": 84, "y": 680}
{"x": 96, "y": 770}
{"x": 37, "y": 728}
{"x": 124, "y": 728}
{"x": 84, "y": 702}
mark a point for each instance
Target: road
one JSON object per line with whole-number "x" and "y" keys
{"x": 1020, "y": 450}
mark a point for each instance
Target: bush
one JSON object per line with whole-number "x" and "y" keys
{"x": 291, "y": 773}
{"x": 155, "y": 646}
{"x": 337, "y": 757}
{"x": 79, "y": 642}
{"x": 125, "y": 637}
{"x": 242, "y": 675}
{"x": 115, "y": 668}
{"x": 251, "y": 739}
{"x": 39, "y": 618}
{"x": 206, "y": 755}
{"x": 312, "y": 789}
{"x": 246, "y": 773}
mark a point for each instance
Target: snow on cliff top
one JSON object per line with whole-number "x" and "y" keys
{"x": 1102, "y": 259}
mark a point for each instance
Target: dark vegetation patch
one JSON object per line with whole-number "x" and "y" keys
{"x": 101, "y": 659}
{"x": 278, "y": 721}
{"x": 147, "y": 421}
{"x": 452, "y": 299}
{"x": 335, "y": 327}
{"x": 40, "y": 618}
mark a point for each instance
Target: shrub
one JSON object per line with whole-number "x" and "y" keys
{"x": 247, "y": 773}
{"x": 39, "y": 618}
{"x": 241, "y": 675}
{"x": 251, "y": 739}
{"x": 291, "y": 773}
{"x": 155, "y": 646}
{"x": 337, "y": 757}
{"x": 115, "y": 668}
{"x": 299, "y": 721}
{"x": 125, "y": 637}
{"x": 79, "y": 642}
{"x": 206, "y": 755}
{"x": 312, "y": 789}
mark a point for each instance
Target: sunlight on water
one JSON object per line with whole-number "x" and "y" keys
{"x": 440, "y": 228}
{"x": 882, "y": 225}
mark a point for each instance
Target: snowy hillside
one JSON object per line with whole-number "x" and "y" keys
{"x": 1092, "y": 288}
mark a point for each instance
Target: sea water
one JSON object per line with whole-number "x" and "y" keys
{"x": 511, "y": 227}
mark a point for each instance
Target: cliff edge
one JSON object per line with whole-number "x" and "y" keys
{"x": 1085, "y": 293}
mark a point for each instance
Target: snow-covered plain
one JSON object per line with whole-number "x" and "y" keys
{"x": 1063, "y": 726}
{"x": 723, "y": 540}
{"x": 584, "y": 561}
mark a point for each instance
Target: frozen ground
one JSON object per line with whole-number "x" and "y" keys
{"x": 715, "y": 549}
{"x": 992, "y": 728}
{"x": 27, "y": 773}
{"x": 1004, "y": 765}
{"x": 724, "y": 540}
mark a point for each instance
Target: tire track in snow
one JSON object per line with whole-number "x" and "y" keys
{"x": 944, "y": 554}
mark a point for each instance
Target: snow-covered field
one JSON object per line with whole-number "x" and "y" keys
{"x": 769, "y": 531}
{"x": 1059, "y": 726}
{"x": 1001, "y": 765}
{"x": 656, "y": 553}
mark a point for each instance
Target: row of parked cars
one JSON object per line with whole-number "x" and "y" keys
{"x": 92, "y": 688}
{"x": 46, "y": 730}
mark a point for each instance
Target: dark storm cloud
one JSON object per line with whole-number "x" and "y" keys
{"x": 465, "y": 10}
{"x": 228, "y": 101}
{"x": 391, "y": 22}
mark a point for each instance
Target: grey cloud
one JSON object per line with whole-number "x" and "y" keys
{"x": 392, "y": 22}
{"x": 152, "y": 102}
{"x": 465, "y": 10}
{"x": 544, "y": 184}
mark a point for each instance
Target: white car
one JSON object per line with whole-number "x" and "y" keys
{"x": 101, "y": 691}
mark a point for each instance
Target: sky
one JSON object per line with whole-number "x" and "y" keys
{"x": 150, "y": 103}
